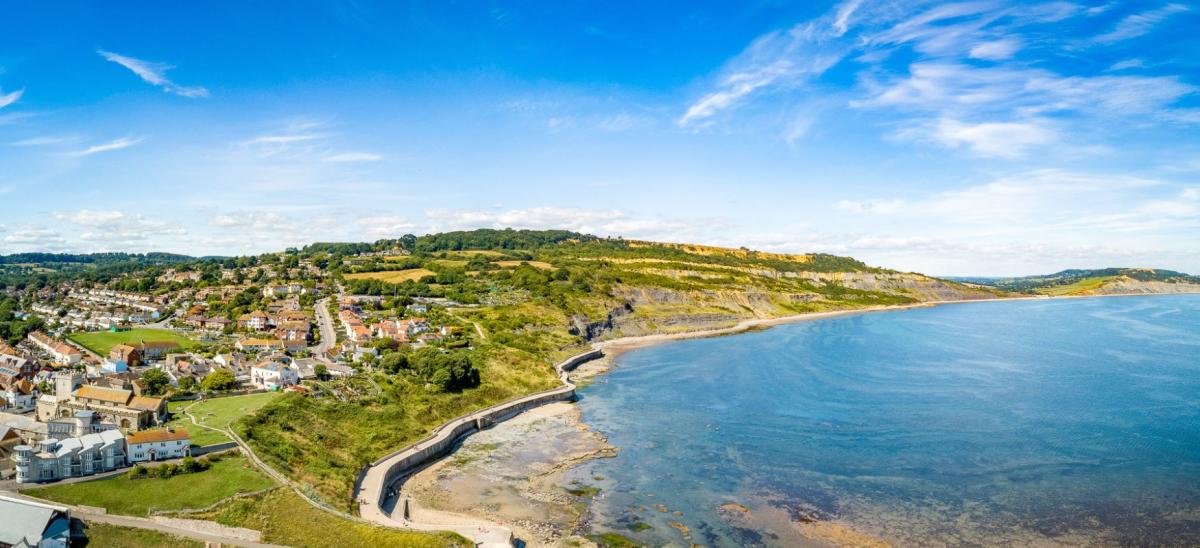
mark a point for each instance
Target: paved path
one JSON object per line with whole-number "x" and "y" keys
{"x": 148, "y": 524}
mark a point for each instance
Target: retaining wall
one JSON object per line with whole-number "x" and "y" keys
{"x": 442, "y": 440}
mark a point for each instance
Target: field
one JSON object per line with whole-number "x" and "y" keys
{"x": 392, "y": 276}
{"x": 284, "y": 518}
{"x": 136, "y": 497}
{"x": 103, "y": 535}
{"x": 101, "y": 342}
{"x": 536, "y": 264}
{"x": 1082, "y": 286}
{"x": 217, "y": 413}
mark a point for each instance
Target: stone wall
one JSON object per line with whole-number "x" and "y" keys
{"x": 406, "y": 460}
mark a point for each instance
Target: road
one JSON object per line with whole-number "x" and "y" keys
{"x": 325, "y": 324}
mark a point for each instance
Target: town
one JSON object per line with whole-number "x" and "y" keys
{"x": 97, "y": 378}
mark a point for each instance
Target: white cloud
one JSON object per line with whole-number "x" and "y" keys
{"x": 1127, "y": 64}
{"x": 10, "y": 98}
{"x": 993, "y": 139}
{"x": 118, "y": 144}
{"x": 996, "y": 50}
{"x": 1139, "y": 24}
{"x": 590, "y": 221}
{"x": 385, "y": 226}
{"x": 154, "y": 74}
{"x": 777, "y": 59}
{"x": 117, "y": 228}
{"x": 352, "y": 157}
{"x": 35, "y": 237}
{"x": 45, "y": 140}
{"x": 841, "y": 21}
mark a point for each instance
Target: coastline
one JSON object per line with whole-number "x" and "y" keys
{"x": 609, "y": 349}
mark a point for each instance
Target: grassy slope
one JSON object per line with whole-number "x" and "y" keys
{"x": 217, "y": 413}
{"x": 121, "y": 495}
{"x": 1077, "y": 288}
{"x": 101, "y": 342}
{"x": 284, "y": 518}
{"x": 103, "y": 535}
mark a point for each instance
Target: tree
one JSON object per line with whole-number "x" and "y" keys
{"x": 155, "y": 382}
{"x": 187, "y": 384}
{"x": 321, "y": 371}
{"x": 221, "y": 379}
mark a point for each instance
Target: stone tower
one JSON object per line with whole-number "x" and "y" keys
{"x": 65, "y": 382}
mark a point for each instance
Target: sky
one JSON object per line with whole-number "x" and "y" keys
{"x": 970, "y": 138}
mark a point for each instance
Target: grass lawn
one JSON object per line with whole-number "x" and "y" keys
{"x": 284, "y": 518}
{"x": 217, "y": 413}
{"x": 392, "y": 276}
{"x": 103, "y": 535}
{"x": 131, "y": 497}
{"x": 101, "y": 342}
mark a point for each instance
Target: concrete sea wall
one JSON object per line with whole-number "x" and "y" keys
{"x": 402, "y": 462}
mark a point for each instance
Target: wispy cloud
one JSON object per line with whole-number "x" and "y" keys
{"x": 1001, "y": 108}
{"x": 10, "y": 98}
{"x": 346, "y": 157}
{"x": 1139, "y": 24}
{"x": 154, "y": 74}
{"x": 46, "y": 140}
{"x": 123, "y": 142}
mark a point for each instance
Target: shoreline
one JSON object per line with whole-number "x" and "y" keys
{"x": 615, "y": 347}
{"x": 609, "y": 349}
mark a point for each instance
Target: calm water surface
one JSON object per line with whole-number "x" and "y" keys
{"x": 1073, "y": 421}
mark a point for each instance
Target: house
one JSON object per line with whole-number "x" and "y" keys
{"x": 152, "y": 350}
{"x": 25, "y": 523}
{"x": 257, "y": 320}
{"x": 259, "y": 345}
{"x": 59, "y": 350}
{"x": 282, "y": 290}
{"x": 126, "y": 354}
{"x": 273, "y": 376}
{"x": 152, "y": 445}
{"x": 14, "y": 367}
{"x": 293, "y": 330}
{"x": 83, "y": 455}
{"x": 19, "y": 397}
{"x": 293, "y": 346}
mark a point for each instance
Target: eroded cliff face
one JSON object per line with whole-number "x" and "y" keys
{"x": 648, "y": 310}
{"x": 1125, "y": 285}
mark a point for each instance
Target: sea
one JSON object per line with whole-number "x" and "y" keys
{"x": 1002, "y": 423}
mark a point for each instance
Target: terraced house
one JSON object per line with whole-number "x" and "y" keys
{"x": 71, "y": 457}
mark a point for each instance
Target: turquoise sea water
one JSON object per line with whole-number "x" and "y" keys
{"x": 1075, "y": 421}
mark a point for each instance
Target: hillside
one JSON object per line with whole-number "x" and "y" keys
{"x": 529, "y": 298}
{"x": 1105, "y": 281}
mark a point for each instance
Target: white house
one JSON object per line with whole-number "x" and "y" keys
{"x": 151, "y": 445}
{"x": 70, "y": 457}
{"x": 273, "y": 376}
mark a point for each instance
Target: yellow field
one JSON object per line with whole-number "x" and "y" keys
{"x": 392, "y": 276}
{"x": 449, "y": 262}
{"x": 535, "y": 264}
{"x": 473, "y": 252}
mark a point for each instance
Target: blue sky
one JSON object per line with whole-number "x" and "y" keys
{"x": 973, "y": 138}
